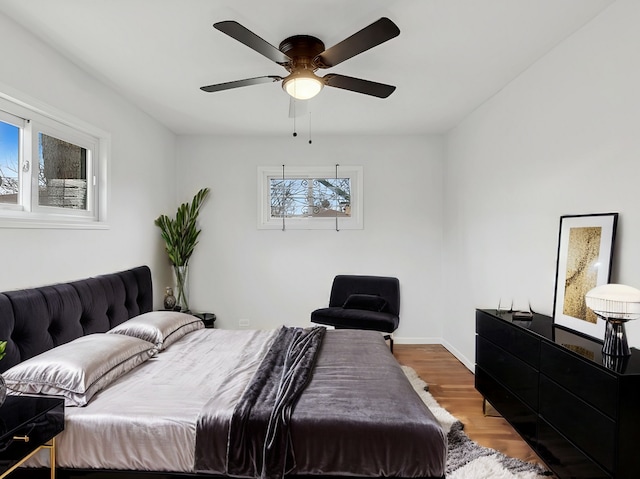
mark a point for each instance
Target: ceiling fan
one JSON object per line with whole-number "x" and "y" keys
{"x": 302, "y": 55}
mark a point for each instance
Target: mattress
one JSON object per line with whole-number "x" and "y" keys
{"x": 357, "y": 416}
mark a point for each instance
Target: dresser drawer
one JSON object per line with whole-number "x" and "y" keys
{"x": 514, "y": 374}
{"x": 508, "y": 337}
{"x": 582, "y": 424}
{"x": 595, "y": 386}
{"x": 15, "y": 449}
{"x": 39, "y": 419}
{"x": 563, "y": 457}
{"x": 520, "y": 416}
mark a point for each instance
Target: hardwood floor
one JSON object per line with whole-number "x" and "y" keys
{"x": 452, "y": 385}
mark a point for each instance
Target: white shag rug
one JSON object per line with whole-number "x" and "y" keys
{"x": 466, "y": 458}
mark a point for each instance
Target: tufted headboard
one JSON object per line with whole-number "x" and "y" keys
{"x": 35, "y": 320}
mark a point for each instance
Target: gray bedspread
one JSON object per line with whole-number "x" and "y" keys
{"x": 259, "y": 444}
{"x": 357, "y": 416}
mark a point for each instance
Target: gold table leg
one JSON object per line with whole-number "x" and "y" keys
{"x": 51, "y": 445}
{"x": 52, "y": 457}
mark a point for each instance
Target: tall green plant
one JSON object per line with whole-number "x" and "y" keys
{"x": 181, "y": 233}
{"x": 180, "y": 236}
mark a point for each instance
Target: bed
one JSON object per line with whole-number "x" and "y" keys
{"x": 325, "y": 402}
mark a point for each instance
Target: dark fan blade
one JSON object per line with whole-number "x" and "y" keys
{"x": 253, "y": 41}
{"x": 378, "y": 32}
{"x": 358, "y": 85}
{"x": 240, "y": 83}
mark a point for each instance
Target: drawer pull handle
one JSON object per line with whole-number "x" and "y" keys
{"x": 21, "y": 438}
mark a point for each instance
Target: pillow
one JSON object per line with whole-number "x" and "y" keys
{"x": 369, "y": 302}
{"x": 79, "y": 369}
{"x": 159, "y": 327}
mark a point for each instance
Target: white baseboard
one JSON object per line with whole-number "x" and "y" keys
{"x": 400, "y": 340}
{"x": 469, "y": 364}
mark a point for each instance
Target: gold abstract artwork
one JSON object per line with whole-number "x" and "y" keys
{"x": 582, "y": 273}
{"x": 580, "y": 350}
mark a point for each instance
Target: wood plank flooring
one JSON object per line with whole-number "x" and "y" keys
{"x": 452, "y": 385}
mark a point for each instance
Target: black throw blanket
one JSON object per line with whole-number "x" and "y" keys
{"x": 259, "y": 444}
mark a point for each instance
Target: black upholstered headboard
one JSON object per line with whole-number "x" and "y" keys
{"x": 35, "y": 320}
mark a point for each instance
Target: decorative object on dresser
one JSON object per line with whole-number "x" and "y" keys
{"x": 585, "y": 251}
{"x": 180, "y": 235}
{"x": 575, "y": 408}
{"x": 30, "y": 424}
{"x": 616, "y": 304}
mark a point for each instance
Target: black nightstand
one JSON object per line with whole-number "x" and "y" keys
{"x": 27, "y": 425}
{"x": 208, "y": 319}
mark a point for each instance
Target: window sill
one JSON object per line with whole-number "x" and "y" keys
{"x": 33, "y": 223}
{"x": 312, "y": 224}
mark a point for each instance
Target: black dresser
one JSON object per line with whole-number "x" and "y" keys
{"x": 579, "y": 410}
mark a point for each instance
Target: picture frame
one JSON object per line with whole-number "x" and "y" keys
{"x": 585, "y": 255}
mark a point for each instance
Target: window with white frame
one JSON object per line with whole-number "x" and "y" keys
{"x": 52, "y": 169}
{"x": 304, "y": 197}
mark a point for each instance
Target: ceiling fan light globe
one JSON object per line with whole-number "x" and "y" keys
{"x": 302, "y": 87}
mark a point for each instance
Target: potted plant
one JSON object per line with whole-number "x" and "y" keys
{"x": 180, "y": 236}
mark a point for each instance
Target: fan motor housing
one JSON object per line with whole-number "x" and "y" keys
{"x": 302, "y": 49}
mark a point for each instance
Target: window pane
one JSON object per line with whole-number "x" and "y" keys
{"x": 9, "y": 161}
{"x": 310, "y": 197}
{"x": 63, "y": 174}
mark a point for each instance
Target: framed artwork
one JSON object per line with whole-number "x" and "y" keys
{"x": 585, "y": 252}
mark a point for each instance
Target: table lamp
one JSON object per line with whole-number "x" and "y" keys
{"x": 616, "y": 304}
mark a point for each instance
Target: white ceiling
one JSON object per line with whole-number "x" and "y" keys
{"x": 450, "y": 56}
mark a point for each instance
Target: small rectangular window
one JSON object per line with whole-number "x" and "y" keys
{"x": 52, "y": 169}
{"x": 310, "y": 197}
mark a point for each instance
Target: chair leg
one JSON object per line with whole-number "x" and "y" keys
{"x": 388, "y": 337}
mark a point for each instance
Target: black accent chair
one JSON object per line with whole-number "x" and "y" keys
{"x": 362, "y": 302}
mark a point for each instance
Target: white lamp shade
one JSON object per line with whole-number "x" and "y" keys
{"x": 302, "y": 85}
{"x": 615, "y": 301}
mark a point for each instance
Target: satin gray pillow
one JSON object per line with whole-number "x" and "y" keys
{"x": 161, "y": 328}
{"x": 79, "y": 369}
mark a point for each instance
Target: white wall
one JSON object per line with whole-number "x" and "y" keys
{"x": 273, "y": 277}
{"x": 461, "y": 222}
{"x": 563, "y": 138}
{"x": 142, "y": 176}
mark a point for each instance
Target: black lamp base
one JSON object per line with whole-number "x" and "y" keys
{"x": 615, "y": 339}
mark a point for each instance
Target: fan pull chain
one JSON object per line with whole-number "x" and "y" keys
{"x": 295, "y": 133}
{"x": 335, "y": 192}
{"x": 309, "y": 127}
